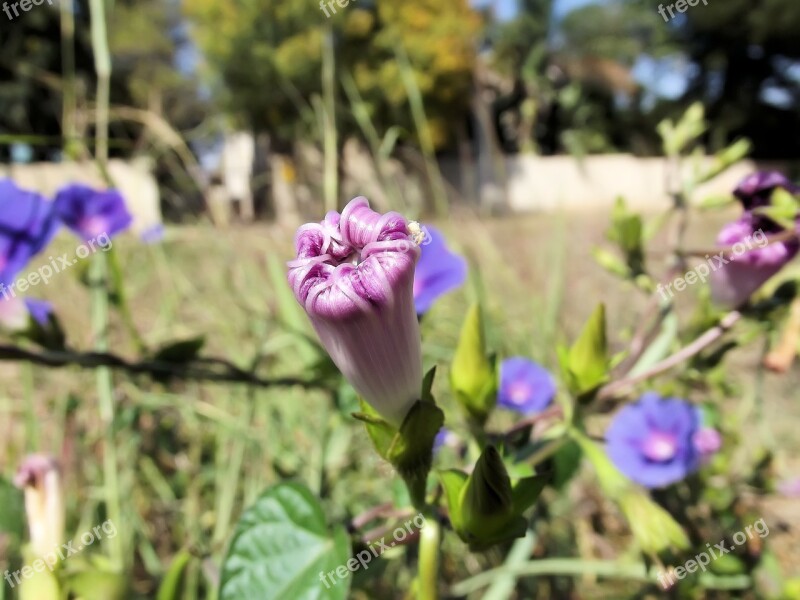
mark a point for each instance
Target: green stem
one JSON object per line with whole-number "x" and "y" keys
{"x": 557, "y": 566}
{"x": 105, "y": 394}
{"x": 430, "y": 538}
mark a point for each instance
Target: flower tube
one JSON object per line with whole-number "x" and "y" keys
{"x": 354, "y": 276}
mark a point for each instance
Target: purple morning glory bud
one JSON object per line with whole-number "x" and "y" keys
{"x": 752, "y": 262}
{"x": 652, "y": 441}
{"x": 92, "y": 213}
{"x": 354, "y": 275}
{"x": 27, "y": 224}
{"x": 40, "y": 477}
{"x": 755, "y": 190}
{"x": 438, "y": 271}
{"x": 525, "y": 386}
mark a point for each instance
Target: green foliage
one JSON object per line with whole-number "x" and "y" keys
{"x": 281, "y": 545}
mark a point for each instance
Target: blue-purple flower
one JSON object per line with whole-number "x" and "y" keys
{"x": 353, "y": 275}
{"x": 445, "y": 437}
{"x": 657, "y": 442}
{"x": 525, "y": 386}
{"x": 27, "y": 224}
{"x": 438, "y": 271}
{"x": 92, "y": 213}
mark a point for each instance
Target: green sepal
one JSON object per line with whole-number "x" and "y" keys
{"x": 408, "y": 449}
{"x": 453, "y": 482}
{"x": 586, "y": 363}
{"x": 473, "y": 373}
{"x": 41, "y": 583}
{"x": 427, "y": 384}
{"x": 485, "y": 508}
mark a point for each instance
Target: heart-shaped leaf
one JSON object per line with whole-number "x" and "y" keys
{"x": 283, "y": 548}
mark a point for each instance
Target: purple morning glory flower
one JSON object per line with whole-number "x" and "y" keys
{"x": 755, "y": 190}
{"x": 752, "y": 260}
{"x": 525, "y": 386}
{"x": 39, "y": 310}
{"x": 652, "y": 441}
{"x": 354, "y": 275}
{"x": 27, "y": 224}
{"x": 152, "y": 235}
{"x": 91, "y": 213}
{"x": 438, "y": 271}
{"x": 445, "y": 437}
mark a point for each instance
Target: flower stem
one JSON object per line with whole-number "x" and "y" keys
{"x": 430, "y": 537}
{"x": 105, "y": 393}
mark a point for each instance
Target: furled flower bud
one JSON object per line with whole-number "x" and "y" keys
{"x": 40, "y": 477}
{"x": 752, "y": 262}
{"x": 354, "y": 276}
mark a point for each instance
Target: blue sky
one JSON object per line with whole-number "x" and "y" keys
{"x": 506, "y": 8}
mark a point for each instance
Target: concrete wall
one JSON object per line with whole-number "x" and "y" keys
{"x": 133, "y": 179}
{"x": 535, "y": 183}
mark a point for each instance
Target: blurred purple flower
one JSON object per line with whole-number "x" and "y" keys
{"x": 354, "y": 277}
{"x": 790, "y": 488}
{"x": 152, "y": 235}
{"x": 707, "y": 441}
{"x": 756, "y": 189}
{"x": 92, "y": 213}
{"x": 525, "y": 386}
{"x": 752, "y": 262}
{"x": 652, "y": 440}
{"x": 438, "y": 271}
{"x": 27, "y": 224}
{"x": 445, "y": 437}
{"x": 40, "y": 310}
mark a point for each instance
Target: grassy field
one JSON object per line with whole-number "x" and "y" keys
{"x": 192, "y": 454}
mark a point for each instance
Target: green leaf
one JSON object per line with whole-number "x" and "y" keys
{"x": 472, "y": 374}
{"x": 588, "y": 357}
{"x": 12, "y": 510}
{"x": 281, "y": 549}
{"x": 180, "y": 352}
{"x": 653, "y": 527}
{"x": 611, "y": 263}
{"x": 170, "y": 588}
